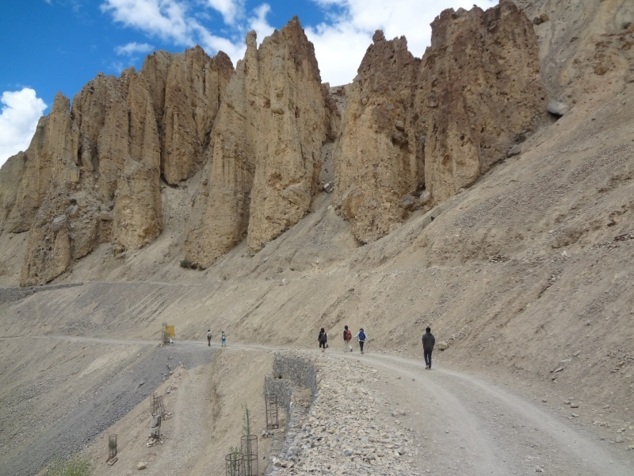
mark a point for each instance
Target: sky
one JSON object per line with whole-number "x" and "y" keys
{"x": 57, "y": 46}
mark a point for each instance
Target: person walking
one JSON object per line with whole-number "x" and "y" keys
{"x": 323, "y": 340}
{"x": 223, "y": 339}
{"x": 347, "y": 337}
{"x": 428, "y": 346}
{"x": 361, "y": 338}
{"x": 209, "y": 337}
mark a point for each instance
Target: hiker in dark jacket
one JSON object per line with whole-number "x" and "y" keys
{"x": 323, "y": 339}
{"x": 428, "y": 346}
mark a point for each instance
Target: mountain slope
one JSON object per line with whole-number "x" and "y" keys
{"x": 526, "y": 273}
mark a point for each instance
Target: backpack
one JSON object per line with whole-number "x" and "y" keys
{"x": 362, "y": 336}
{"x": 347, "y": 335}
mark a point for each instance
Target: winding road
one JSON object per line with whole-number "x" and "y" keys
{"x": 463, "y": 425}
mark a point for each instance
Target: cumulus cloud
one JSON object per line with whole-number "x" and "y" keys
{"x": 339, "y": 49}
{"x": 259, "y": 23}
{"x": 20, "y": 112}
{"x": 231, "y": 10}
{"x": 166, "y": 19}
{"x": 234, "y": 48}
{"x": 181, "y": 23}
{"x": 133, "y": 49}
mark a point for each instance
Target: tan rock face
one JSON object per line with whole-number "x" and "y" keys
{"x": 438, "y": 123}
{"x": 49, "y": 247}
{"x": 92, "y": 172}
{"x": 12, "y": 174}
{"x": 265, "y": 156}
{"x": 186, "y": 91}
{"x": 480, "y": 91}
{"x": 35, "y": 172}
{"x": 378, "y": 158}
{"x": 137, "y": 204}
{"x": 593, "y": 59}
{"x": 259, "y": 142}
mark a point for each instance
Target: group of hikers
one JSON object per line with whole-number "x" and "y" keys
{"x": 361, "y": 337}
{"x": 428, "y": 341}
{"x": 223, "y": 338}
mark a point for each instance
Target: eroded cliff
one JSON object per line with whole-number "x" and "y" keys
{"x": 254, "y": 146}
{"x": 93, "y": 171}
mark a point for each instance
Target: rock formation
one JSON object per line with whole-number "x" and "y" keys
{"x": 592, "y": 60}
{"x": 259, "y": 142}
{"x": 265, "y": 155}
{"x": 378, "y": 159}
{"x": 480, "y": 91}
{"x": 438, "y": 123}
{"x": 92, "y": 172}
{"x": 186, "y": 92}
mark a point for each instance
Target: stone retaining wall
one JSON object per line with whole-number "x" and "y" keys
{"x": 293, "y": 377}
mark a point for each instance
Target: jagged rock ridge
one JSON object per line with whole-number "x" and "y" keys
{"x": 265, "y": 156}
{"x": 437, "y": 123}
{"x": 413, "y": 133}
{"x": 93, "y": 170}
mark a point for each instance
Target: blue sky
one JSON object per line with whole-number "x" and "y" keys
{"x": 51, "y": 46}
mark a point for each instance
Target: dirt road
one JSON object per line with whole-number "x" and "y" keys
{"x": 471, "y": 426}
{"x": 461, "y": 424}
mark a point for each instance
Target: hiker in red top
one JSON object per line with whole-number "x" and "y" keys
{"x": 347, "y": 337}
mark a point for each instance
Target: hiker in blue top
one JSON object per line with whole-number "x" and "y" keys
{"x": 223, "y": 339}
{"x": 361, "y": 337}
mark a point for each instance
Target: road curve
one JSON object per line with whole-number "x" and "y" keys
{"x": 471, "y": 426}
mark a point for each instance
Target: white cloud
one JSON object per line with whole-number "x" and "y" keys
{"x": 132, "y": 49}
{"x": 259, "y": 23}
{"x": 212, "y": 44}
{"x": 166, "y": 19}
{"x": 230, "y": 10}
{"x": 235, "y": 46}
{"x": 339, "y": 50}
{"x": 175, "y": 21}
{"x": 21, "y": 111}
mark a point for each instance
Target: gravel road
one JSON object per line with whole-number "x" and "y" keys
{"x": 466, "y": 425}
{"x": 386, "y": 415}
{"x": 374, "y": 414}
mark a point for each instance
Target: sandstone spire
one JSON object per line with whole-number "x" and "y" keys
{"x": 265, "y": 155}
{"x": 92, "y": 172}
{"x": 252, "y": 140}
{"x": 480, "y": 90}
{"x": 378, "y": 160}
{"x": 438, "y": 123}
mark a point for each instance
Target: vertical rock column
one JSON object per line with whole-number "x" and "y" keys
{"x": 479, "y": 92}
{"x": 377, "y": 159}
{"x": 265, "y": 153}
